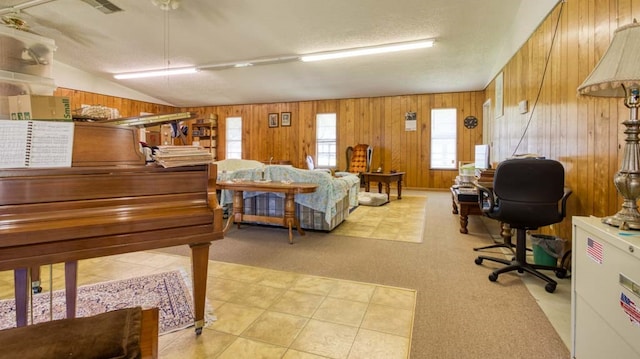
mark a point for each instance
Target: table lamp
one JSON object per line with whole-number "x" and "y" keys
{"x": 618, "y": 75}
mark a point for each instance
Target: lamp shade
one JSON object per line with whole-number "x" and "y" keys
{"x": 618, "y": 68}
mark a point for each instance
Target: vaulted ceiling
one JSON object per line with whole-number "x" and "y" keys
{"x": 474, "y": 39}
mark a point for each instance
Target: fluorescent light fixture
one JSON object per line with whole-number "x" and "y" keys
{"x": 401, "y": 46}
{"x": 156, "y": 73}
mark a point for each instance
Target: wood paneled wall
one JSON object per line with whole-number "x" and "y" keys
{"x": 377, "y": 121}
{"x": 583, "y": 133}
{"x": 127, "y": 107}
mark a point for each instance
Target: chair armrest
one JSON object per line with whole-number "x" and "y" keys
{"x": 563, "y": 201}
{"x": 486, "y": 199}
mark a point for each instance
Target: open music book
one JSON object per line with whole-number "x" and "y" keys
{"x": 36, "y": 144}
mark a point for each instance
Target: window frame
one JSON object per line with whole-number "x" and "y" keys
{"x": 229, "y": 137}
{"x": 326, "y": 146}
{"x": 445, "y": 136}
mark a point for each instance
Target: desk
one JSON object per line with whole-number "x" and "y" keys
{"x": 466, "y": 204}
{"x": 289, "y": 189}
{"x": 386, "y": 178}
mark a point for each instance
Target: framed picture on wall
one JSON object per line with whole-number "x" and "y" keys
{"x": 273, "y": 120}
{"x": 286, "y": 119}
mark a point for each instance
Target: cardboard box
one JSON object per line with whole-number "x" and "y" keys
{"x": 36, "y": 107}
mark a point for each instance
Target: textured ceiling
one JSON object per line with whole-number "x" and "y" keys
{"x": 473, "y": 40}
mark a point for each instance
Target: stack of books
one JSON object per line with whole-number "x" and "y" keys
{"x": 485, "y": 177}
{"x": 174, "y": 156}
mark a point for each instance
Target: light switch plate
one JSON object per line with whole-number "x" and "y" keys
{"x": 523, "y": 106}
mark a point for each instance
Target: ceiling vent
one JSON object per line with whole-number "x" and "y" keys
{"x": 104, "y": 6}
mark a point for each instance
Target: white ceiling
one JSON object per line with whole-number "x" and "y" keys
{"x": 474, "y": 39}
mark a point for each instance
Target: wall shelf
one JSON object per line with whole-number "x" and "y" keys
{"x": 204, "y": 133}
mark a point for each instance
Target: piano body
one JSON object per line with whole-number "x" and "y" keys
{"x": 109, "y": 202}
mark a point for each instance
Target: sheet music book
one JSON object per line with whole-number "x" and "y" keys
{"x": 35, "y": 144}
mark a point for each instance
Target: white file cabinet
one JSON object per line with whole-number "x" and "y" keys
{"x": 605, "y": 301}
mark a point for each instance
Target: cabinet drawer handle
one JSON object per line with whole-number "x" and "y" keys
{"x": 629, "y": 284}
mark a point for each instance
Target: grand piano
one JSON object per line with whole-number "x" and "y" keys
{"x": 108, "y": 202}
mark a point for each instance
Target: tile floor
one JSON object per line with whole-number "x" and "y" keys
{"x": 264, "y": 313}
{"x": 396, "y": 221}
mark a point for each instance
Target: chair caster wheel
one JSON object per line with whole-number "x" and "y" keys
{"x": 36, "y": 290}
{"x": 478, "y": 261}
{"x": 561, "y": 273}
{"x": 550, "y": 287}
{"x": 198, "y": 331}
{"x": 493, "y": 277}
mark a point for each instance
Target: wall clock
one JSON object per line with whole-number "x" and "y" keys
{"x": 470, "y": 122}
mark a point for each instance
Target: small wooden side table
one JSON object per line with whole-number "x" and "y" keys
{"x": 386, "y": 178}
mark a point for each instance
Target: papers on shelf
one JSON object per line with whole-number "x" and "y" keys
{"x": 174, "y": 156}
{"x": 467, "y": 190}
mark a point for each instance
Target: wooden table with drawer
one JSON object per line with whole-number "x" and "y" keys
{"x": 289, "y": 219}
{"x": 465, "y": 203}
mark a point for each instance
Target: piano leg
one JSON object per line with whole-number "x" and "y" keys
{"x": 21, "y": 279}
{"x": 199, "y": 267}
{"x": 71, "y": 287}
{"x": 35, "y": 280}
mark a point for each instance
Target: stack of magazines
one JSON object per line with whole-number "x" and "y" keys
{"x": 174, "y": 156}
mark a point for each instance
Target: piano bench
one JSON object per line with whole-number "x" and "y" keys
{"x": 123, "y": 333}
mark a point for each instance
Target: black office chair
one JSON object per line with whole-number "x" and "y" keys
{"x": 527, "y": 194}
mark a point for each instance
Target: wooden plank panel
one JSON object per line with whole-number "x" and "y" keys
{"x": 583, "y": 133}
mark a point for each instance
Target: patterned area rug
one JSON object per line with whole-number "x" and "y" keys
{"x": 398, "y": 220}
{"x": 168, "y": 291}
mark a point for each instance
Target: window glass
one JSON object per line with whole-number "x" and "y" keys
{"x": 234, "y": 137}
{"x": 443, "y": 138}
{"x": 326, "y": 140}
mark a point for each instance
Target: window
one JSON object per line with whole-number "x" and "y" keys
{"x": 326, "y": 140}
{"x": 234, "y": 138}
{"x": 443, "y": 138}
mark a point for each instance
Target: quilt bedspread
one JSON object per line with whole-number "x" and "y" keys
{"x": 330, "y": 189}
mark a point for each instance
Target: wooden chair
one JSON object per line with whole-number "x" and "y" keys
{"x": 359, "y": 158}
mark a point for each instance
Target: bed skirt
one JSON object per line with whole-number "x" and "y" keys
{"x": 269, "y": 204}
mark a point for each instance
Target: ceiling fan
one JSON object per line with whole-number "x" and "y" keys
{"x": 16, "y": 21}
{"x": 32, "y": 54}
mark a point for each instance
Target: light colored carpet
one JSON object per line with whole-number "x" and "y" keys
{"x": 168, "y": 291}
{"x": 399, "y": 220}
{"x": 459, "y": 313}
